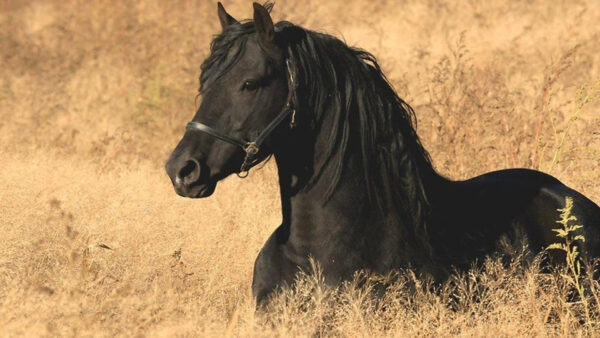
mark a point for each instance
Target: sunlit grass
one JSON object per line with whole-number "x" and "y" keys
{"x": 94, "y": 96}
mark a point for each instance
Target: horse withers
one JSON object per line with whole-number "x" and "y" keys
{"x": 358, "y": 189}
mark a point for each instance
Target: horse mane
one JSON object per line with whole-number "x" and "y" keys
{"x": 347, "y": 82}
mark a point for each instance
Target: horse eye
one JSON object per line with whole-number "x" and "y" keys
{"x": 250, "y": 85}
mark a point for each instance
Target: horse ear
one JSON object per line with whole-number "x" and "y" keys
{"x": 264, "y": 26}
{"x": 224, "y": 17}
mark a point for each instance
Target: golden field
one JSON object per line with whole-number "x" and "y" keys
{"x": 95, "y": 95}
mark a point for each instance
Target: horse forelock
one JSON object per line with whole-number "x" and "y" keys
{"x": 226, "y": 48}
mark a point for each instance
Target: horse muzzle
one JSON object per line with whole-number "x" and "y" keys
{"x": 191, "y": 179}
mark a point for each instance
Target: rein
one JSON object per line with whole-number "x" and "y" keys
{"x": 252, "y": 147}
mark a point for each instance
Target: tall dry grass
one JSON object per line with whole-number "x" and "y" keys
{"x": 94, "y": 95}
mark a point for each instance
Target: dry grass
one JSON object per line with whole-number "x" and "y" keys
{"x": 93, "y": 96}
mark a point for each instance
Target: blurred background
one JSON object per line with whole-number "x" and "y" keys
{"x": 95, "y": 95}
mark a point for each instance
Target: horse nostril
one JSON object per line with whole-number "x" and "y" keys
{"x": 190, "y": 172}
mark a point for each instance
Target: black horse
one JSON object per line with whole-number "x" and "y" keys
{"x": 358, "y": 190}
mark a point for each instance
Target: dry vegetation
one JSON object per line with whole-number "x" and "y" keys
{"x": 94, "y": 95}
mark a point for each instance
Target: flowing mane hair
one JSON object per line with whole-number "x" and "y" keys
{"x": 368, "y": 116}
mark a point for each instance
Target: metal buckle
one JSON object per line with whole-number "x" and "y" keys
{"x": 251, "y": 150}
{"x": 293, "y": 119}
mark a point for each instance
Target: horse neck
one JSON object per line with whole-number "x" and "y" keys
{"x": 308, "y": 219}
{"x": 306, "y": 213}
{"x": 348, "y": 214}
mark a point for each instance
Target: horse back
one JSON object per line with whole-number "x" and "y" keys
{"x": 470, "y": 218}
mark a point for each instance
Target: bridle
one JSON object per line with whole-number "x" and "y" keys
{"x": 252, "y": 148}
